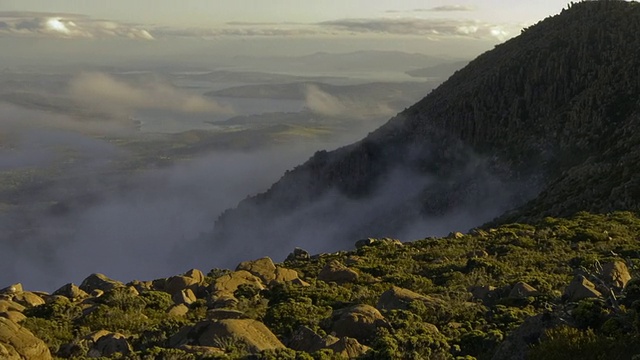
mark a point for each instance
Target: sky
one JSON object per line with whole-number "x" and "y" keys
{"x": 150, "y": 19}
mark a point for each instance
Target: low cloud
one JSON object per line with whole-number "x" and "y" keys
{"x": 63, "y": 25}
{"x": 104, "y": 92}
{"x": 323, "y": 103}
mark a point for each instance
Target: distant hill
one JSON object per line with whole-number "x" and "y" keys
{"x": 372, "y": 60}
{"x": 546, "y": 123}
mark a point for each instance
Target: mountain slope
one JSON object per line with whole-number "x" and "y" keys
{"x": 552, "y": 112}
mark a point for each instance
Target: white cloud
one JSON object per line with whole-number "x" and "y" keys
{"x": 418, "y": 26}
{"x": 106, "y": 93}
{"x": 60, "y": 25}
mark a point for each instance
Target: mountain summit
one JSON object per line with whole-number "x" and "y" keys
{"x": 545, "y": 124}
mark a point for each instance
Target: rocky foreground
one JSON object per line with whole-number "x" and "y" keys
{"x": 513, "y": 292}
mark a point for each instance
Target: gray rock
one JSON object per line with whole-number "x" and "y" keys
{"x": 522, "y": 290}
{"x": 359, "y": 322}
{"x": 110, "y": 344}
{"x": 334, "y": 271}
{"x": 615, "y": 274}
{"x": 71, "y": 291}
{"x": 349, "y": 348}
{"x": 99, "y": 282}
{"x": 580, "y": 288}
{"x": 253, "y": 334}
{"x": 17, "y": 340}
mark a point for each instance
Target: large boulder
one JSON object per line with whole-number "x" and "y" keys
{"x": 264, "y": 268}
{"x": 307, "y": 340}
{"x": 359, "y": 322}
{"x": 349, "y": 348}
{"x": 109, "y": 344}
{"x": 12, "y": 289}
{"x": 28, "y": 299}
{"x": 7, "y": 305}
{"x": 615, "y": 274}
{"x": 185, "y": 296}
{"x": 253, "y": 334}
{"x": 99, "y": 282}
{"x": 71, "y": 291}
{"x": 580, "y": 288}
{"x": 14, "y": 316}
{"x": 268, "y": 272}
{"x": 192, "y": 280}
{"x": 398, "y": 298}
{"x": 335, "y": 271}
{"x": 227, "y": 284}
{"x": 16, "y": 342}
{"x": 298, "y": 254}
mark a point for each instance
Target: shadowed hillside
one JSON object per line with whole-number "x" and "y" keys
{"x": 544, "y": 123}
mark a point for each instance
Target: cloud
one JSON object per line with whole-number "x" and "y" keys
{"x": 448, "y": 8}
{"x": 323, "y": 103}
{"x": 244, "y": 30}
{"x": 416, "y": 26}
{"x": 444, "y": 8}
{"x": 107, "y": 93}
{"x": 64, "y": 25}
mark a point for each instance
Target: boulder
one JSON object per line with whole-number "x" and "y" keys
{"x": 349, "y": 348}
{"x": 12, "y": 289}
{"x": 141, "y": 286}
{"x": 71, "y": 291}
{"x": 299, "y": 255}
{"x": 228, "y": 284}
{"x": 178, "y": 310}
{"x": 253, "y": 334}
{"x": 334, "y": 271}
{"x": 14, "y": 316}
{"x": 307, "y": 340}
{"x": 522, "y": 290}
{"x": 398, "y": 298}
{"x": 264, "y": 268}
{"x": 6, "y": 305}
{"x": 615, "y": 274}
{"x": 268, "y": 272}
{"x": 177, "y": 283}
{"x": 17, "y": 340}
{"x": 359, "y": 322}
{"x": 110, "y": 344}
{"x": 99, "y": 282}
{"x": 185, "y": 296}
{"x": 28, "y": 299}
{"x": 455, "y": 235}
{"x": 580, "y": 288}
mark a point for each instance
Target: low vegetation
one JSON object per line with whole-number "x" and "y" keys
{"x": 489, "y": 294}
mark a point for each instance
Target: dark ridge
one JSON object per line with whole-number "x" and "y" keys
{"x": 550, "y": 115}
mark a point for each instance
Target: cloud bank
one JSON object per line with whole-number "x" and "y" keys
{"x": 416, "y": 26}
{"x": 71, "y": 26}
{"x": 104, "y": 92}
{"x": 326, "y": 104}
